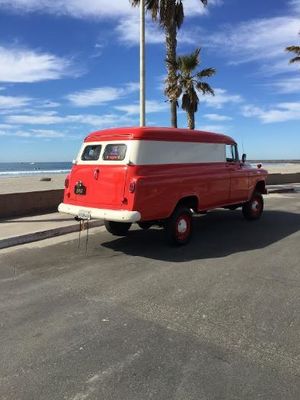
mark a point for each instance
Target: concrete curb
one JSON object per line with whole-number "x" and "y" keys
{"x": 41, "y": 235}
{"x": 282, "y": 190}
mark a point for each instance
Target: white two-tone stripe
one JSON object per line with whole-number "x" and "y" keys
{"x": 144, "y": 152}
{"x": 153, "y": 152}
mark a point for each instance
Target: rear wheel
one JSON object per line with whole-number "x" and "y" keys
{"x": 117, "y": 228}
{"x": 253, "y": 209}
{"x": 178, "y": 227}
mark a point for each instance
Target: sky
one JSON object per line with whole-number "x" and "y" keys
{"x": 71, "y": 67}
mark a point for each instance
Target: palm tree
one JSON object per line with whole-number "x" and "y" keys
{"x": 296, "y": 51}
{"x": 190, "y": 82}
{"x": 170, "y": 14}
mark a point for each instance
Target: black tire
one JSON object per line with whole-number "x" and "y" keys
{"x": 253, "y": 209}
{"x": 179, "y": 226}
{"x": 117, "y": 228}
{"x": 145, "y": 225}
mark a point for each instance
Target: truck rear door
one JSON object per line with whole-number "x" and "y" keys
{"x": 98, "y": 178}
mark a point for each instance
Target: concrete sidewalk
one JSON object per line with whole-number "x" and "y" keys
{"x": 23, "y": 230}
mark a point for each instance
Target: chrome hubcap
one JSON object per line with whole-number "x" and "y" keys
{"x": 182, "y": 226}
{"x": 255, "y": 205}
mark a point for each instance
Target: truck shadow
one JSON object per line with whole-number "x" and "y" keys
{"x": 217, "y": 234}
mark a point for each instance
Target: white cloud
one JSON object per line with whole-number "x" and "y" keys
{"x": 36, "y": 119}
{"x": 101, "y": 95}
{"x": 96, "y": 96}
{"x": 195, "y": 8}
{"x": 217, "y": 117}
{"x": 221, "y": 98}
{"x": 48, "y": 104}
{"x": 7, "y": 127}
{"x": 278, "y": 113}
{"x": 288, "y": 85}
{"x": 73, "y": 8}
{"x": 52, "y": 118}
{"x": 93, "y": 8}
{"x": 13, "y": 102}
{"x": 128, "y": 16}
{"x": 22, "y": 65}
{"x": 152, "y": 106}
{"x": 33, "y": 133}
{"x": 129, "y": 28}
{"x": 211, "y": 128}
{"x": 295, "y": 5}
{"x": 259, "y": 40}
{"x": 46, "y": 133}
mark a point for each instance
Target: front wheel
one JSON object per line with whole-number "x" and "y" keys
{"x": 253, "y": 209}
{"x": 117, "y": 228}
{"x": 178, "y": 227}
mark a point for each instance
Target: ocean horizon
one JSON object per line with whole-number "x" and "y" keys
{"x": 14, "y": 169}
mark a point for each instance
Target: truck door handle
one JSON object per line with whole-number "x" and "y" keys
{"x": 96, "y": 173}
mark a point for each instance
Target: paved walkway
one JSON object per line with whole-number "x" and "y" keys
{"x": 29, "y": 229}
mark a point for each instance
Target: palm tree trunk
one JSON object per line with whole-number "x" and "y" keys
{"x": 191, "y": 119}
{"x": 171, "y": 45}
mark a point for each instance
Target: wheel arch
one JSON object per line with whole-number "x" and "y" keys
{"x": 190, "y": 201}
{"x": 260, "y": 187}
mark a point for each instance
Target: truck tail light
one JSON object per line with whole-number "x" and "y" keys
{"x": 132, "y": 187}
{"x": 67, "y": 182}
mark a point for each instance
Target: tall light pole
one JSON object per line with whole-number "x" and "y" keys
{"x": 142, "y": 65}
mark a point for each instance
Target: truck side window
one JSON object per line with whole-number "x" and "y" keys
{"x": 230, "y": 157}
{"x": 232, "y": 154}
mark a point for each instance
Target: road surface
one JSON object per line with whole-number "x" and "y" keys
{"x": 134, "y": 319}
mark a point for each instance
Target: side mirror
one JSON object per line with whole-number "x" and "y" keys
{"x": 244, "y": 156}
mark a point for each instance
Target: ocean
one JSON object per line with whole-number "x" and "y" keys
{"x": 44, "y": 168}
{"x": 34, "y": 168}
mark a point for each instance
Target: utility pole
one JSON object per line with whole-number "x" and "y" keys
{"x": 142, "y": 65}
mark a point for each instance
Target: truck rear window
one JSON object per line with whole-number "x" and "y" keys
{"x": 91, "y": 153}
{"x": 114, "y": 152}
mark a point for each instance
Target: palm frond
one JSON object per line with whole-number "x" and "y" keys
{"x": 188, "y": 63}
{"x": 135, "y": 3}
{"x": 295, "y": 59}
{"x": 166, "y": 11}
{"x": 179, "y": 14}
{"x": 150, "y": 5}
{"x": 205, "y": 88}
{"x": 153, "y": 7}
{"x": 206, "y": 73}
{"x": 293, "y": 49}
{"x": 190, "y": 101}
{"x": 186, "y": 103}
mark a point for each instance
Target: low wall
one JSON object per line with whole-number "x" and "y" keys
{"x": 282, "y": 179}
{"x": 20, "y": 204}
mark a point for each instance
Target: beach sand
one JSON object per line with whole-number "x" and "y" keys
{"x": 34, "y": 183}
{"x": 30, "y": 183}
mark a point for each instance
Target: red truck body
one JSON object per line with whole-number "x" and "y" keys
{"x": 128, "y": 175}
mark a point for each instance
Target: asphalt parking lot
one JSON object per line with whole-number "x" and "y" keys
{"x": 135, "y": 319}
